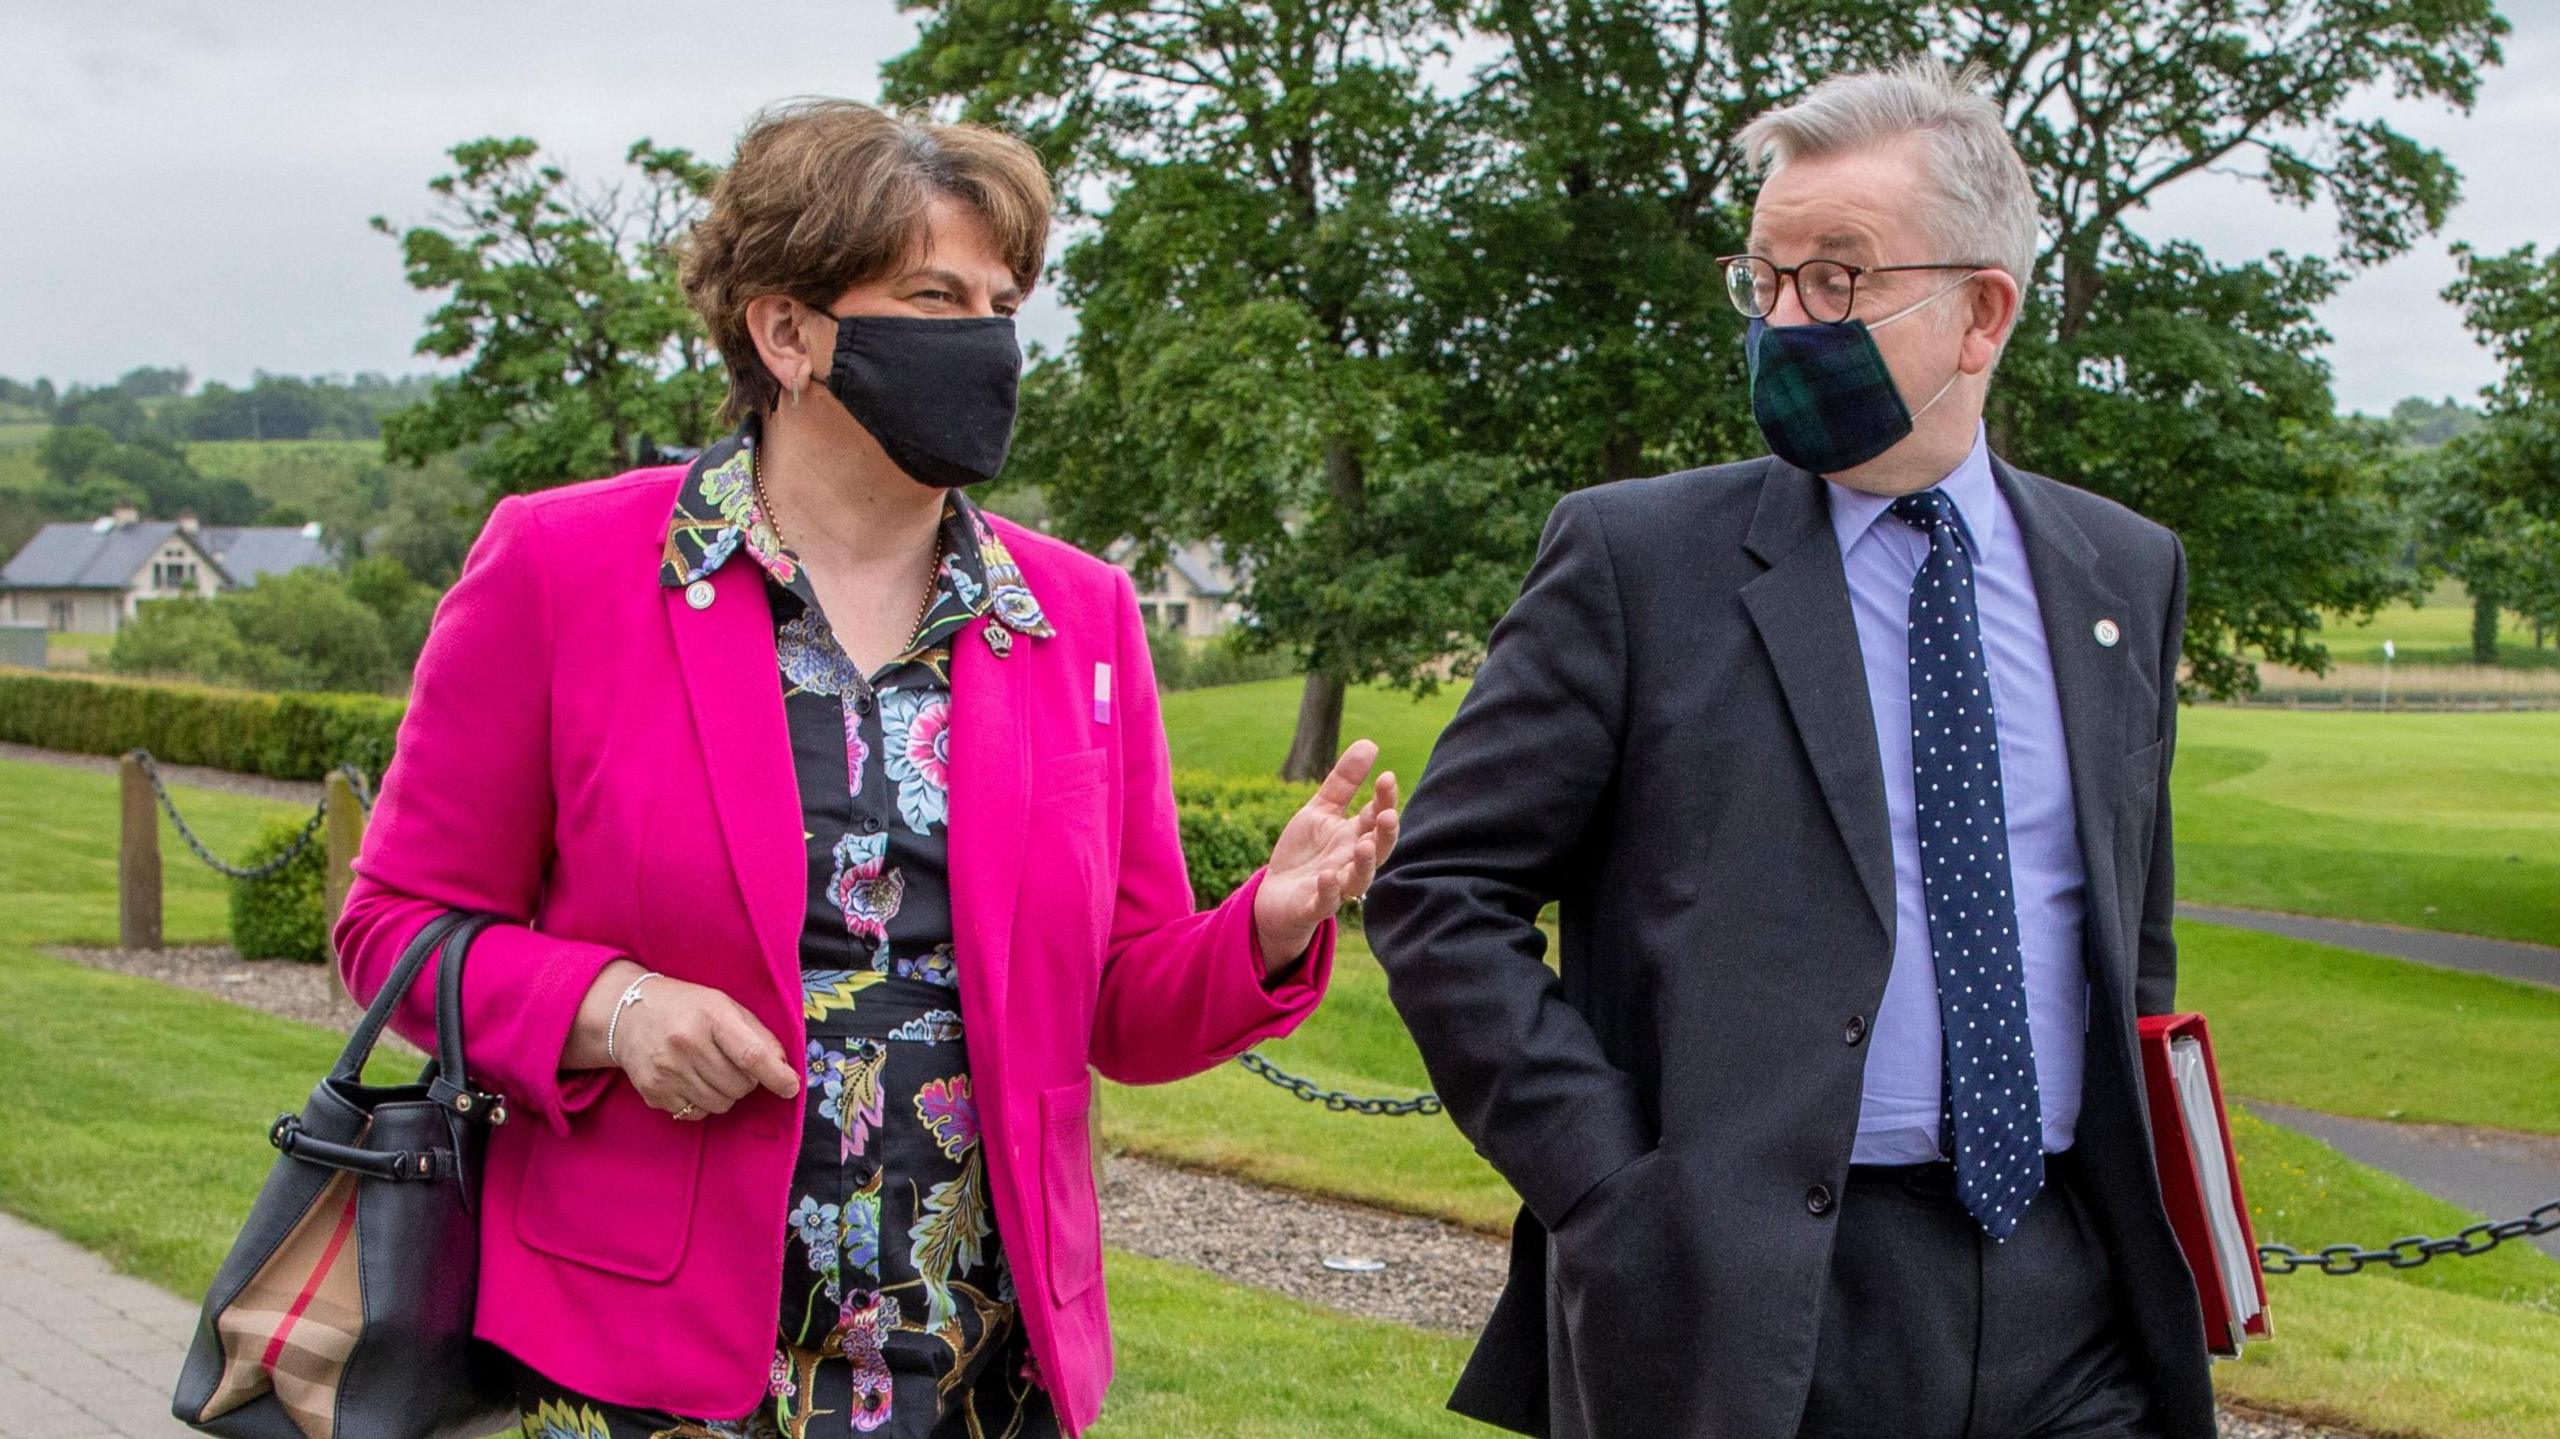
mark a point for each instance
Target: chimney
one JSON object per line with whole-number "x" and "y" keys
{"x": 187, "y": 521}
{"x": 125, "y": 514}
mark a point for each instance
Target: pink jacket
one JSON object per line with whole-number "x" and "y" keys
{"x": 591, "y": 757}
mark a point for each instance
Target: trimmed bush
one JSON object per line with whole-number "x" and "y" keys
{"x": 1228, "y": 827}
{"x": 282, "y": 736}
{"x": 282, "y": 916}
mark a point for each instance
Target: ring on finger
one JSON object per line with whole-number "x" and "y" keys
{"x": 681, "y": 1113}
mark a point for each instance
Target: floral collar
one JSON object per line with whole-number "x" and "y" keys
{"x": 716, "y": 515}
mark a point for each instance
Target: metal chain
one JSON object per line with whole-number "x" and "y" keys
{"x": 362, "y": 787}
{"x": 1334, "y": 1099}
{"x": 300, "y": 842}
{"x": 2415, "y": 1250}
{"x": 2406, "y": 1253}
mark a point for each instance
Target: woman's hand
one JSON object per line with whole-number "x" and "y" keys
{"x": 688, "y": 1048}
{"x": 1323, "y": 857}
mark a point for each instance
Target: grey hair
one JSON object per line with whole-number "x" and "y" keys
{"x": 1986, "y": 208}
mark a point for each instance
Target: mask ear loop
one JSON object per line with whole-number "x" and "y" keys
{"x": 1916, "y": 304}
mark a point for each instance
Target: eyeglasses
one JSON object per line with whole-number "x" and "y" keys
{"x": 1828, "y": 289}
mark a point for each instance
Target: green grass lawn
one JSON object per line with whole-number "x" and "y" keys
{"x": 2456, "y": 1348}
{"x": 2435, "y": 821}
{"x": 2436, "y": 630}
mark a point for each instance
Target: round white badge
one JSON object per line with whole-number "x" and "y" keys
{"x": 2108, "y": 634}
{"x": 698, "y": 595}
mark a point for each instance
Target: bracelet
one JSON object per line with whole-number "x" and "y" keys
{"x": 630, "y": 995}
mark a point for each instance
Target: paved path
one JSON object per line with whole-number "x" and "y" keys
{"x": 2489, "y": 1171}
{"x": 85, "y": 1352}
{"x": 2533, "y": 963}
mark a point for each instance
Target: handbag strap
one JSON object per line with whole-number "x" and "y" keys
{"x": 448, "y": 1081}
{"x": 422, "y": 946}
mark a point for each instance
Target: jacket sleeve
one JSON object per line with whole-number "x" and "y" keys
{"x": 2155, "y": 983}
{"x": 1510, "y": 800}
{"x": 1181, "y": 991}
{"x": 465, "y": 821}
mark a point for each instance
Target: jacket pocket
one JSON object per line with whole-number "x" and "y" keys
{"x": 1073, "y": 1216}
{"x": 617, "y": 1193}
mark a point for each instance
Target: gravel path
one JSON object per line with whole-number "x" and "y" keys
{"x": 1430, "y": 1275}
{"x": 291, "y": 791}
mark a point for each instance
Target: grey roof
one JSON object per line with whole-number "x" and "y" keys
{"x": 1201, "y": 566}
{"x": 77, "y": 555}
{"x": 246, "y": 553}
{"x": 83, "y": 556}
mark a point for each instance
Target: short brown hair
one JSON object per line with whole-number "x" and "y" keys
{"x": 826, "y": 194}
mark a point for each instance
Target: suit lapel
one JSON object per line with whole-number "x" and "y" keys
{"x": 726, "y": 651}
{"x": 2099, "y": 690}
{"x": 1801, "y": 607}
{"x": 990, "y": 800}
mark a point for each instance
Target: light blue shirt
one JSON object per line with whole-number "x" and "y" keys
{"x": 1898, "y": 1111}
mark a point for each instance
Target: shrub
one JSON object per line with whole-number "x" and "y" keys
{"x": 282, "y": 916}
{"x": 1228, "y": 827}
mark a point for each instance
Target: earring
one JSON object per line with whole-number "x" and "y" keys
{"x": 796, "y": 387}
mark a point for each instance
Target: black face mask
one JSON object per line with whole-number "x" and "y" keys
{"x": 937, "y": 394}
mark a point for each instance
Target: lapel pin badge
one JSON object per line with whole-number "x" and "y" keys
{"x": 699, "y": 594}
{"x": 1101, "y": 694}
{"x": 999, "y": 639}
{"x": 2107, "y": 633}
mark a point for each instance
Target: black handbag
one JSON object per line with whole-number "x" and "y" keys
{"x": 344, "y": 1308}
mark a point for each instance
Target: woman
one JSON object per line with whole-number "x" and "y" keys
{"x": 834, "y": 817}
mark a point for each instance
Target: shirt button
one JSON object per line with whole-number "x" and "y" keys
{"x": 1817, "y": 1200}
{"x": 1857, "y": 1030}
{"x": 868, "y": 824}
{"x": 862, "y": 704}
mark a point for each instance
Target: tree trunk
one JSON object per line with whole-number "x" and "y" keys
{"x": 1319, "y": 737}
{"x": 2484, "y": 629}
{"x": 1318, "y": 740}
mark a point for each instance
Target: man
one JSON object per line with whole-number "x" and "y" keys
{"x": 1848, "y": 768}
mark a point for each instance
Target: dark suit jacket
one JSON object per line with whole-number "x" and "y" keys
{"x": 1670, "y": 736}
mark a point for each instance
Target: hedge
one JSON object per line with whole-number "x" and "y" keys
{"x": 281, "y": 736}
{"x": 1228, "y": 822}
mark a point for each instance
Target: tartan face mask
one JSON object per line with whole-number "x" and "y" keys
{"x": 1822, "y": 394}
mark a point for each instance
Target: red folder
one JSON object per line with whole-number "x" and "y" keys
{"x": 2191, "y": 1141}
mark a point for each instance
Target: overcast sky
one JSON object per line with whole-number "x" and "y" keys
{"x": 189, "y": 183}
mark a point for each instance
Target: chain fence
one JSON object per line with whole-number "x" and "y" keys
{"x": 301, "y": 841}
{"x": 2406, "y": 1253}
{"x": 1335, "y": 1099}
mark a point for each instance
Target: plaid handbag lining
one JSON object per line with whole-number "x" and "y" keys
{"x": 292, "y": 1326}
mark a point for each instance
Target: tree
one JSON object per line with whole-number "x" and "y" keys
{"x": 147, "y": 382}
{"x": 562, "y": 302}
{"x": 68, "y": 452}
{"x": 1242, "y": 364}
{"x": 1473, "y": 297}
{"x": 113, "y": 411}
{"x": 2495, "y": 511}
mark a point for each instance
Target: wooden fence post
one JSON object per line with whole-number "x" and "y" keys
{"x": 1093, "y": 1119}
{"x": 344, "y": 829}
{"x": 138, "y": 860}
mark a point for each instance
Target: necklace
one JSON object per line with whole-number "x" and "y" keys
{"x": 932, "y": 574}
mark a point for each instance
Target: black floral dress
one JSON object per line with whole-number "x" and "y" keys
{"x": 898, "y": 1315}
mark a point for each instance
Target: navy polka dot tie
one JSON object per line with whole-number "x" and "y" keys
{"x": 1989, "y": 1117}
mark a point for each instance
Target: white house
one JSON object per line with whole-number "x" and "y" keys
{"x": 1190, "y": 594}
{"x": 90, "y": 578}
